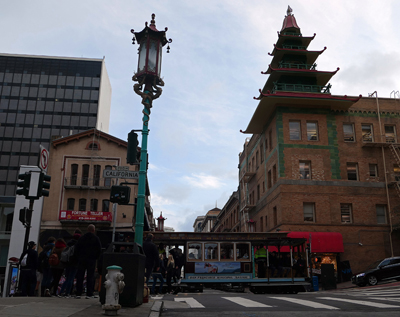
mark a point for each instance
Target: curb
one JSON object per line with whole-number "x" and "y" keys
{"x": 155, "y": 310}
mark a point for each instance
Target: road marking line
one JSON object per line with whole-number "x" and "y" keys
{"x": 360, "y": 302}
{"x": 386, "y": 298}
{"x": 305, "y": 302}
{"x": 190, "y": 301}
{"x": 245, "y": 302}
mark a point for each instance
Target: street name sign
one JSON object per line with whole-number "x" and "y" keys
{"x": 120, "y": 174}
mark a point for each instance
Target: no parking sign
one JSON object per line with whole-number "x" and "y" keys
{"x": 43, "y": 159}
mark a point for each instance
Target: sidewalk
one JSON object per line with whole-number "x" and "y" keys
{"x": 65, "y": 307}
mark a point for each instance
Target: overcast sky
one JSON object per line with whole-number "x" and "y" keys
{"x": 211, "y": 74}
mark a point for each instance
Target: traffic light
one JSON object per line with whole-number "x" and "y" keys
{"x": 120, "y": 195}
{"x": 44, "y": 185}
{"x": 25, "y": 216}
{"x": 23, "y": 184}
{"x": 131, "y": 155}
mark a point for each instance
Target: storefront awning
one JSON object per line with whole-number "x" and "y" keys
{"x": 322, "y": 242}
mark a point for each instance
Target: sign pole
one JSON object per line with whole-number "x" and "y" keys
{"x": 114, "y": 218}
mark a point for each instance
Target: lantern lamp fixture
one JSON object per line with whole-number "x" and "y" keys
{"x": 148, "y": 72}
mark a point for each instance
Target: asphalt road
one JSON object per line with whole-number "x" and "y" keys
{"x": 375, "y": 301}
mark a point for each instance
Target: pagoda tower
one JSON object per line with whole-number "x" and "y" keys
{"x": 293, "y": 74}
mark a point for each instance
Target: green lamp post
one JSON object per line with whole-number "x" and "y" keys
{"x": 147, "y": 76}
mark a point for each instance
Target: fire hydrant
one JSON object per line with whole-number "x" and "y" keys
{"x": 114, "y": 285}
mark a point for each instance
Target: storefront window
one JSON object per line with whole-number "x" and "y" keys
{"x": 317, "y": 259}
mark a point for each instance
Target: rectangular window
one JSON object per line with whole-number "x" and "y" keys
{"x": 257, "y": 154}
{"x": 312, "y": 131}
{"x": 96, "y": 175}
{"x": 309, "y": 212}
{"x": 270, "y": 140}
{"x": 227, "y": 251}
{"x": 274, "y": 176}
{"x": 70, "y": 204}
{"x": 275, "y": 216}
{"x": 266, "y": 145}
{"x": 345, "y": 213}
{"x": 85, "y": 174}
{"x": 261, "y": 224}
{"x": 261, "y": 153}
{"x": 82, "y": 204}
{"x": 305, "y": 169}
{"x": 258, "y": 192}
{"x": 373, "y": 170}
{"x": 195, "y": 251}
{"x": 263, "y": 187}
{"x": 390, "y": 133}
{"x": 381, "y": 214}
{"x": 352, "y": 171}
{"x": 211, "y": 251}
{"x": 243, "y": 251}
{"x": 367, "y": 133}
{"x": 93, "y": 204}
{"x": 348, "y": 132}
{"x": 294, "y": 130}
{"x": 106, "y": 205}
{"x": 269, "y": 179}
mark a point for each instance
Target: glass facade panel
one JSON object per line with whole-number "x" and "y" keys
{"x": 79, "y": 81}
{"x": 61, "y": 80}
{"x": 53, "y": 80}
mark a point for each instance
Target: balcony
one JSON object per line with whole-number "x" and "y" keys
{"x": 292, "y": 34}
{"x": 294, "y": 47}
{"x": 302, "y": 88}
{"x": 297, "y": 66}
{"x": 87, "y": 183}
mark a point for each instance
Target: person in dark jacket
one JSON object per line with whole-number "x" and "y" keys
{"x": 57, "y": 270}
{"x": 88, "y": 251}
{"x": 70, "y": 269}
{"x": 157, "y": 274}
{"x": 28, "y": 271}
{"x": 170, "y": 273}
{"x": 44, "y": 266}
{"x": 152, "y": 259}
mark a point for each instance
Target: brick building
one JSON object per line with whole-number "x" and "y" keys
{"x": 228, "y": 218}
{"x": 321, "y": 163}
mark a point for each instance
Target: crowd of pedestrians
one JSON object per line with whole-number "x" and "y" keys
{"x": 41, "y": 274}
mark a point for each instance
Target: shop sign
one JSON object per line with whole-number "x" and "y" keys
{"x": 85, "y": 215}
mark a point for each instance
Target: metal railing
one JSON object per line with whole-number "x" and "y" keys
{"x": 292, "y": 33}
{"x": 294, "y": 47}
{"x": 89, "y": 182}
{"x": 298, "y": 66}
{"x": 302, "y": 88}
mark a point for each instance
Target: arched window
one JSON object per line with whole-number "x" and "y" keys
{"x": 82, "y": 204}
{"x": 93, "y": 146}
{"x": 74, "y": 174}
{"x": 93, "y": 204}
{"x": 71, "y": 204}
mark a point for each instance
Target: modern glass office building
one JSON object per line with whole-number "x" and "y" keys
{"x": 43, "y": 98}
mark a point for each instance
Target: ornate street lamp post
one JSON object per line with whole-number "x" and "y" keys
{"x": 148, "y": 80}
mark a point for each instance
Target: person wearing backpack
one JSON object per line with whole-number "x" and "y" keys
{"x": 71, "y": 266}
{"x": 44, "y": 266}
{"x": 56, "y": 266}
{"x": 29, "y": 263}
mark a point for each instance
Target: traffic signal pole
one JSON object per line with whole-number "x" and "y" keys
{"x": 28, "y": 225}
{"x": 140, "y": 210}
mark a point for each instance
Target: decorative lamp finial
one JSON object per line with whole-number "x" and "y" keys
{"x": 153, "y": 22}
{"x": 289, "y": 10}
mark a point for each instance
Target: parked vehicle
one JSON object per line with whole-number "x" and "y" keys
{"x": 386, "y": 269}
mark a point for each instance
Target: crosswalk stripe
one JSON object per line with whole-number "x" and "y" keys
{"x": 305, "y": 302}
{"x": 190, "y": 301}
{"x": 390, "y": 299}
{"x": 360, "y": 302}
{"x": 245, "y": 302}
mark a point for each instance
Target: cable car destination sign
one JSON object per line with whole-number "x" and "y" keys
{"x": 121, "y": 172}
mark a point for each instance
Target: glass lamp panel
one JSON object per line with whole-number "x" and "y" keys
{"x": 152, "y": 61}
{"x": 142, "y": 56}
{"x": 159, "y": 60}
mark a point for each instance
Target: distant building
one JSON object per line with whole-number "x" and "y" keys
{"x": 210, "y": 219}
{"x": 198, "y": 223}
{"x": 228, "y": 219}
{"x": 43, "y": 98}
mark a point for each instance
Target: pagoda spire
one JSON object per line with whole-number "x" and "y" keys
{"x": 289, "y": 23}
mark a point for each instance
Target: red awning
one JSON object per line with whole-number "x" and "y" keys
{"x": 322, "y": 242}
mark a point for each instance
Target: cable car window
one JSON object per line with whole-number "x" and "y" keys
{"x": 211, "y": 251}
{"x": 194, "y": 251}
{"x": 243, "y": 251}
{"x": 226, "y": 251}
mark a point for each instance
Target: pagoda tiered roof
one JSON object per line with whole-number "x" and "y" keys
{"x": 293, "y": 78}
